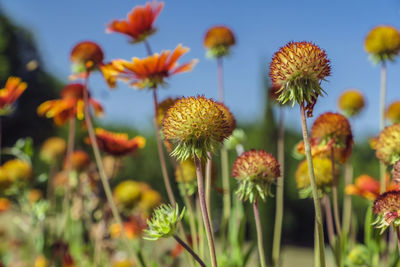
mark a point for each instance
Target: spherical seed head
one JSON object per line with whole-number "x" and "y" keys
{"x": 228, "y": 117}
{"x": 164, "y": 222}
{"x": 53, "y": 149}
{"x": 323, "y": 176}
{"x": 393, "y": 112}
{"x": 387, "y": 206}
{"x": 86, "y": 56}
{"x": 127, "y": 193}
{"x": 351, "y": 102}
{"x": 218, "y": 41}
{"x": 195, "y": 125}
{"x": 388, "y": 145}
{"x": 297, "y": 69}
{"x": 334, "y": 129}
{"x": 255, "y": 170}
{"x": 163, "y": 107}
{"x": 383, "y": 43}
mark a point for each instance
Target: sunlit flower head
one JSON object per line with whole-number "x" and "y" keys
{"x": 388, "y": 144}
{"x": 323, "y": 176}
{"x": 255, "y": 170}
{"x": 79, "y": 161}
{"x": 393, "y": 112}
{"x": 53, "y": 150}
{"x": 387, "y": 207}
{"x": 133, "y": 228}
{"x": 351, "y": 102}
{"x": 298, "y": 69}
{"x": 5, "y": 204}
{"x": 149, "y": 200}
{"x": 162, "y": 108}
{"x": 139, "y": 23}
{"x": 117, "y": 144}
{"x": 218, "y": 41}
{"x": 383, "y": 43}
{"x": 364, "y": 186}
{"x": 86, "y": 56}
{"x": 17, "y": 170}
{"x": 127, "y": 194}
{"x": 196, "y": 125}
{"x": 151, "y": 72}
{"x": 70, "y": 105}
{"x": 12, "y": 90}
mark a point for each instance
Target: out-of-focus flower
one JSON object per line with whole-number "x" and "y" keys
{"x": 323, "y": 176}
{"x": 298, "y": 69}
{"x": 17, "y": 170}
{"x": 383, "y": 43}
{"x": 369, "y": 188}
{"x": 255, "y": 170}
{"x": 196, "y": 125}
{"x": 34, "y": 195}
{"x": 52, "y": 150}
{"x": 388, "y": 145}
{"x": 387, "y": 207}
{"x": 70, "y": 105}
{"x": 134, "y": 228}
{"x": 151, "y": 72}
{"x": 164, "y": 222}
{"x": 123, "y": 263}
{"x": 185, "y": 175}
{"x": 238, "y": 137}
{"x": 139, "y": 23}
{"x": 127, "y": 194}
{"x": 396, "y": 172}
{"x": 358, "y": 256}
{"x": 80, "y": 160}
{"x": 162, "y": 108}
{"x": 5, "y": 204}
{"x": 149, "y": 200}
{"x": 86, "y": 56}
{"x": 351, "y": 102}
{"x": 41, "y": 261}
{"x": 393, "y": 112}
{"x": 117, "y": 144}
{"x": 60, "y": 180}
{"x": 10, "y": 93}
{"x": 218, "y": 41}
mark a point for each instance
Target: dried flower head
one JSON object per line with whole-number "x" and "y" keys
{"x": 255, "y": 170}
{"x": 53, "y": 150}
{"x": 196, "y": 125}
{"x": 388, "y": 145}
{"x": 80, "y": 160}
{"x": 393, "y": 112}
{"x": 117, "y": 144}
{"x": 151, "y": 72}
{"x": 351, "y": 102}
{"x": 162, "y": 108}
{"x": 164, "y": 222}
{"x": 127, "y": 194}
{"x": 323, "y": 176}
{"x": 139, "y": 23}
{"x": 218, "y": 41}
{"x": 70, "y": 105}
{"x": 383, "y": 43}
{"x": 12, "y": 90}
{"x": 387, "y": 207}
{"x": 298, "y": 69}
{"x": 86, "y": 56}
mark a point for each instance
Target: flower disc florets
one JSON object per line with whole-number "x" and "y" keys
{"x": 195, "y": 125}
{"x": 388, "y": 145}
{"x": 351, "y": 102}
{"x": 164, "y": 222}
{"x": 383, "y": 43}
{"x": 218, "y": 41}
{"x": 255, "y": 170}
{"x": 387, "y": 207}
{"x": 297, "y": 69}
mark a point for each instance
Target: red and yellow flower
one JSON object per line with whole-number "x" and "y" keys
{"x": 387, "y": 207}
{"x": 151, "y": 71}
{"x": 117, "y": 144}
{"x": 69, "y": 106}
{"x": 139, "y": 23}
{"x": 12, "y": 90}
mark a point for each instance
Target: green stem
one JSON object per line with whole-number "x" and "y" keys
{"x": 335, "y": 196}
{"x": 187, "y": 247}
{"x": 329, "y": 220}
{"x": 279, "y": 192}
{"x": 382, "y": 166}
{"x": 317, "y": 205}
{"x": 226, "y": 213}
{"x": 316, "y": 246}
{"x": 192, "y": 219}
{"x": 348, "y": 179}
{"x": 259, "y": 234}
{"x": 201, "y": 228}
{"x": 204, "y": 211}
{"x": 70, "y": 149}
{"x": 208, "y": 184}
{"x": 396, "y": 228}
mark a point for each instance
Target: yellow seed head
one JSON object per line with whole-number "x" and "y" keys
{"x": 383, "y": 43}
{"x": 393, "y": 112}
{"x": 351, "y": 102}
{"x": 388, "y": 145}
{"x": 127, "y": 193}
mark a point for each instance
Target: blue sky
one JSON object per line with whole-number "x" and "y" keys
{"x": 261, "y": 28}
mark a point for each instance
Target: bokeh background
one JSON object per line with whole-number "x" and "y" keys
{"x": 43, "y": 32}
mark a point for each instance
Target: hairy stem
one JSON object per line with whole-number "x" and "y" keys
{"x": 204, "y": 211}
{"x": 189, "y": 249}
{"x": 259, "y": 234}
{"x": 317, "y": 205}
{"x": 208, "y": 184}
{"x": 382, "y": 166}
{"x": 276, "y": 247}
